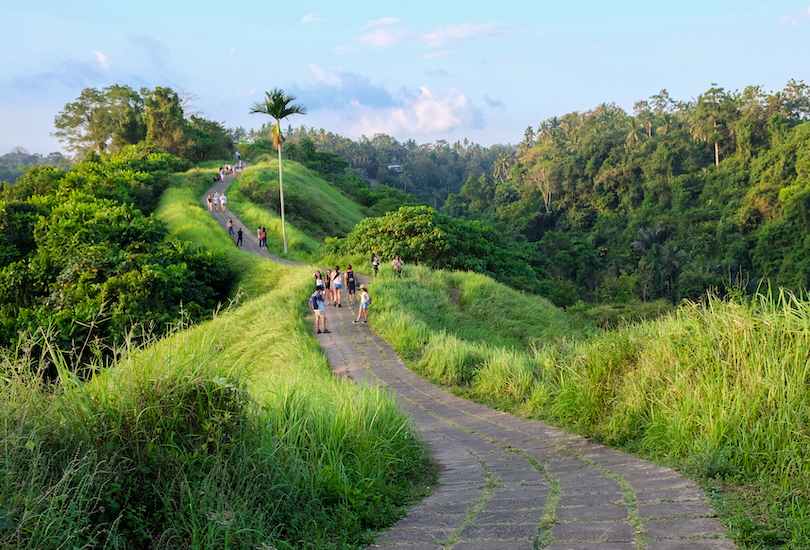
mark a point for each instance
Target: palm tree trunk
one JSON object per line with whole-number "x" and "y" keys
{"x": 281, "y": 191}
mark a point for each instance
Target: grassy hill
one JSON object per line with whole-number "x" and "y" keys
{"x": 314, "y": 209}
{"x": 717, "y": 389}
{"x": 228, "y": 434}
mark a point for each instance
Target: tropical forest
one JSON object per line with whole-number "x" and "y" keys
{"x": 635, "y": 277}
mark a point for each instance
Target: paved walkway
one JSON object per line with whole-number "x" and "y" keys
{"x": 511, "y": 484}
{"x": 250, "y": 240}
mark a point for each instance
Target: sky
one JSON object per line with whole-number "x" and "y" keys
{"x": 421, "y": 70}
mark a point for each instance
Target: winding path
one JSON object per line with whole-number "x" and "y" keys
{"x": 511, "y": 484}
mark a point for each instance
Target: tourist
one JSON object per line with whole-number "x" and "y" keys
{"x": 337, "y": 285}
{"x": 365, "y": 301}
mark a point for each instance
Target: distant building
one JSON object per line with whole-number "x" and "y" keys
{"x": 395, "y": 167}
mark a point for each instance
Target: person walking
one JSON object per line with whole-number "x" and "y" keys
{"x": 337, "y": 285}
{"x": 375, "y": 262}
{"x": 349, "y": 279}
{"x": 327, "y": 282}
{"x": 210, "y": 204}
{"x": 230, "y": 227}
{"x": 319, "y": 286}
{"x": 397, "y": 263}
{"x": 365, "y": 301}
{"x": 263, "y": 238}
{"x": 316, "y": 303}
{"x": 239, "y": 238}
{"x": 222, "y": 200}
{"x": 259, "y": 236}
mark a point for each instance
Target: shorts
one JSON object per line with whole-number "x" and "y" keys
{"x": 350, "y": 288}
{"x": 319, "y": 314}
{"x": 337, "y": 286}
{"x": 363, "y": 305}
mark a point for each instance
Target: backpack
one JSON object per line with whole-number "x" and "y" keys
{"x": 313, "y": 301}
{"x": 369, "y": 300}
{"x": 351, "y": 276}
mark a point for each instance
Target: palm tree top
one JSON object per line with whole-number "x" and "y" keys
{"x": 277, "y": 104}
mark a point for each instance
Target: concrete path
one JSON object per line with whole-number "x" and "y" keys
{"x": 250, "y": 240}
{"x": 511, "y": 484}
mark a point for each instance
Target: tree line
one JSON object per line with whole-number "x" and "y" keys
{"x": 109, "y": 119}
{"x": 613, "y": 207}
{"x": 429, "y": 171}
{"x": 664, "y": 202}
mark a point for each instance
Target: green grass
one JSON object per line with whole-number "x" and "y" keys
{"x": 314, "y": 209}
{"x": 716, "y": 389}
{"x": 229, "y": 434}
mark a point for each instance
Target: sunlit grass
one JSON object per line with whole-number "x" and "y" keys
{"x": 230, "y": 434}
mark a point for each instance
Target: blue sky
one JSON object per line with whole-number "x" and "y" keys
{"x": 422, "y": 70}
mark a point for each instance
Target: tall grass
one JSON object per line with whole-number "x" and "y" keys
{"x": 230, "y": 434}
{"x": 719, "y": 388}
{"x": 314, "y": 208}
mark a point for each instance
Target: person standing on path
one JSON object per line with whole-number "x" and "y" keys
{"x": 375, "y": 262}
{"x": 397, "y": 263}
{"x": 216, "y": 199}
{"x": 337, "y": 285}
{"x": 349, "y": 279}
{"x": 319, "y": 282}
{"x": 222, "y": 200}
{"x": 364, "y": 303}
{"x": 316, "y": 303}
{"x": 210, "y": 204}
{"x": 230, "y": 227}
{"x": 263, "y": 238}
{"x": 327, "y": 282}
{"x": 239, "y": 238}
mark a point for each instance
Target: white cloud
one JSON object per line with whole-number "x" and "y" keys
{"x": 310, "y": 18}
{"x": 383, "y": 21}
{"x": 421, "y": 113}
{"x": 381, "y": 38}
{"x": 332, "y": 79}
{"x": 103, "y": 61}
{"x": 246, "y": 94}
{"x": 451, "y": 33}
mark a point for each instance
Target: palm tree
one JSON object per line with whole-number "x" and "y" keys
{"x": 277, "y": 104}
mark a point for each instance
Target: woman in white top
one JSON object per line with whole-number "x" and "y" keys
{"x": 337, "y": 285}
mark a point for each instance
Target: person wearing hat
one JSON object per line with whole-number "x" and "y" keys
{"x": 365, "y": 301}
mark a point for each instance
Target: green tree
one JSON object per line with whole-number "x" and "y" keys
{"x": 278, "y": 105}
{"x": 165, "y": 125}
{"x": 90, "y": 122}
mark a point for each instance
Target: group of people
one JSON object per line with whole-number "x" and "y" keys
{"x": 328, "y": 292}
{"x": 217, "y": 201}
{"x": 396, "y": 263}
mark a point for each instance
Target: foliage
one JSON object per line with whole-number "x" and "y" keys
{"x": 420, "y": 234}
{"x": 14, "y": 164}
{"x": 98, "y": 269}
{"x": 724, "y": 175}
{"x": 110, "y": 119}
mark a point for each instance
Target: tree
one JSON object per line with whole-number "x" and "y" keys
{"x": 278, "y": 105}
{"x": 165, "y": 125}
{"x": 90, "y": 122}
